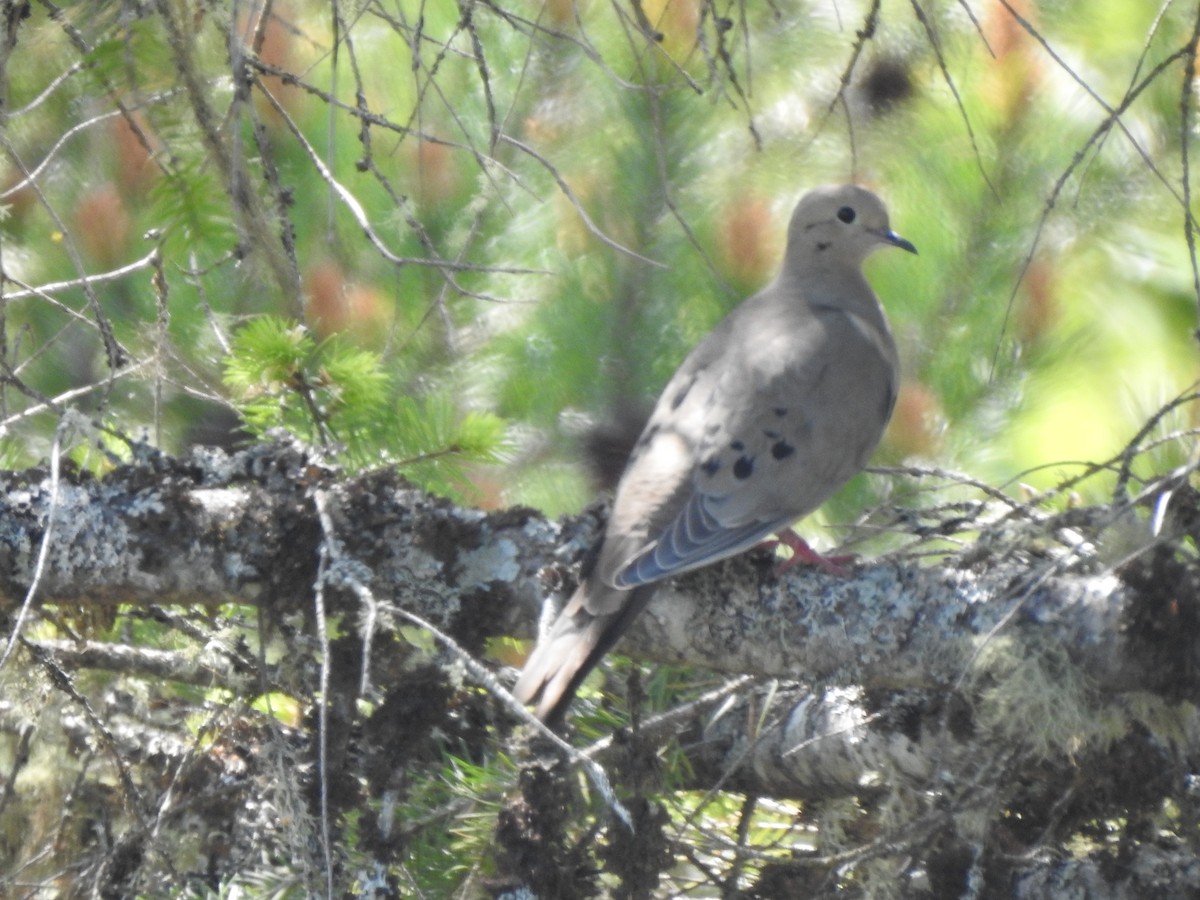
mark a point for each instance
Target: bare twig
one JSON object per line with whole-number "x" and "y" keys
{"x": 39, "y": 568}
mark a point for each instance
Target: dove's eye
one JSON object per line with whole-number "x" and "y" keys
{"x": 846, "y": 214}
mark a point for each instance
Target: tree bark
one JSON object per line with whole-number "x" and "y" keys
{"x": 244, "y": 529}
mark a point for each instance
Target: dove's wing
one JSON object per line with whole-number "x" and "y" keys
{"x": 788, "y": 410}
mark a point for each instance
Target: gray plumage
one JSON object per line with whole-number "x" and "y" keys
{"x": 776, "y": 409}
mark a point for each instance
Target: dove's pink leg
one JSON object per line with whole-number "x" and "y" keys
{"x": 802, "y": 553}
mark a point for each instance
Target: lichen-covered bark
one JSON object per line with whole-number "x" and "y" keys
{"x": 243, "y": 529}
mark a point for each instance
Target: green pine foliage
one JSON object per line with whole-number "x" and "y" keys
{"x": 342, "y": 398}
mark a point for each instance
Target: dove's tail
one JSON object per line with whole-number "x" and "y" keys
{"x": 574, "y": 645}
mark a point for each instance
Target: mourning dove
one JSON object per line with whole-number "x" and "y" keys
{"x": 770, "y": 414}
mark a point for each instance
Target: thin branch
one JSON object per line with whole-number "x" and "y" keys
{"x": 47, "y": 92}
{"x": 1115, "y": 114}
{"x": 1114, "y": 117}
{"x": 225, "y": 154}
{"x": 936, "y": 44}
{"x": 861, "y": 36}
{"x": 1185, "y": 139}
{"x": 328, "y": 549}
{"x": 360, "y": 215}
{"x": 57, "y": 404}
{"x": 114, "y": 351}
{"x": 591, "y": 226}
{"x": 39, "y": 568}
{"x": 183, "y": 666}
{"x": 44, "y": 291}
{"x": 590, "y": 767}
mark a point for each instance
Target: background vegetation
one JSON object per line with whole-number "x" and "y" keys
{"x": 471, "y": 240}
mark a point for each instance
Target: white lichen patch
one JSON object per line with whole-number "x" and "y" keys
{"x": 494, "y": 561}
{"x": 221, "y": 503}
{"x": 87, "y": 537}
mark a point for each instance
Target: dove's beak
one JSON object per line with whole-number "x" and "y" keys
{"x": 890, "y": 237}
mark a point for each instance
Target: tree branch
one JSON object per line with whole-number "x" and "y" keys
{"x": 214, "y": 529}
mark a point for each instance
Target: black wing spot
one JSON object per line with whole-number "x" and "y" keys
{"x": 711, "y": 466}
{"x": 647, "y": 435}
{"x": 823, "y": 245}
{"x": 782, "y": 450}
{"x": 743, "y": 468}
{"x": 781, "y": 411}
{"x": 769, "y": 434}
{"x": 737, "y": 445}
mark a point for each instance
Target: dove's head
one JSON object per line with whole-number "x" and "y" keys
{"x": 839, "y": 225}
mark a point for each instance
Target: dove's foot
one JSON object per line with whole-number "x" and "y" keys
{"x": 802, "y": 553}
